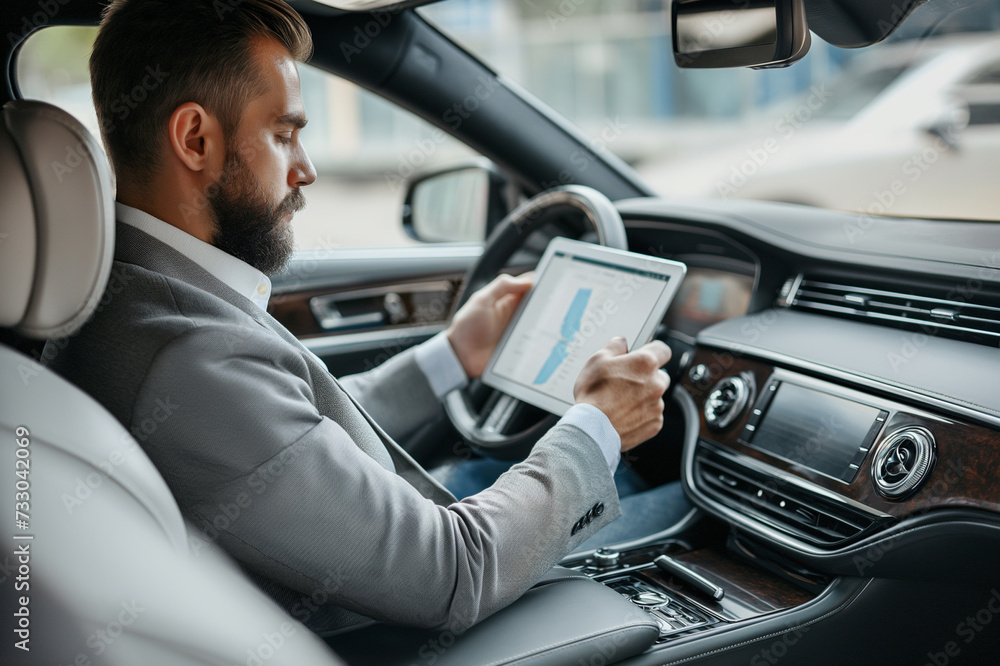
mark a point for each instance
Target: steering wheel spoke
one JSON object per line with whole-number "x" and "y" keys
{"x": 500, "y": 412}
{"x": 479, "y": 394}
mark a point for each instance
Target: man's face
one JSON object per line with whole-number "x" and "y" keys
{"x": 266, "y": 165}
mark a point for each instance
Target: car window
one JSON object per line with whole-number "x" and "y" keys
{"x": 837, "y": 129}
{"x": 364, "y": 148}
{"x": 852, "y": 91}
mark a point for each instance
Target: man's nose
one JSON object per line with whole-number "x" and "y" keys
{"x": 302, "y": 172}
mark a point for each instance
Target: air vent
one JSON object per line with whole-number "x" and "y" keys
{"x": 964, "y": 313}
{"x": 787, "y": 506}
{"x": 726, "y": 401}
{"x": 902, "y": 462}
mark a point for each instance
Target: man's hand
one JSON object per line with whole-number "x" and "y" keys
{"x": 476, "y": 328}
{"x": 628, "y": 387}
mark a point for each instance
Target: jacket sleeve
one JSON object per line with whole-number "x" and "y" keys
{"x": 395, "y": 393}
{"x": 285, "y": 490}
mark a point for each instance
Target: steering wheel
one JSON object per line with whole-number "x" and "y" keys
{"x": 484, "y": 416}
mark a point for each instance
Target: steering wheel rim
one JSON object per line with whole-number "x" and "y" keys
{"x": 483, "y": 429}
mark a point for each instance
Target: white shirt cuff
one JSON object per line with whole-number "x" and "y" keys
{"x": 437, "y": 360}
{"x": 595, "y": 423}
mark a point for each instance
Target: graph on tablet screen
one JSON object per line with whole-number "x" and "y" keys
{"x": 580, "y": 305}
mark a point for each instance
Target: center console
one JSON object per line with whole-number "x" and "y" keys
{"x": 688, "y": 591}
{"x": 828, "y": 504}
{"x": 813, "y": 466}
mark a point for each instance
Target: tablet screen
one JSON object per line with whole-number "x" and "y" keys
{"x": 576, "y": 306}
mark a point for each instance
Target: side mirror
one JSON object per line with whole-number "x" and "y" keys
{"x": 461, "y": 203}
{"x": 739, "y": 33}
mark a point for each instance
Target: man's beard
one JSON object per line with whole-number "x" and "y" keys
{"x": 247, "y": 225}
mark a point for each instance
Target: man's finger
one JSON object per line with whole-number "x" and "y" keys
{"x": 529, "y": 276}
{"x": 508, "y": 284}
{"x": 658, "y": 350}
{"x": 617, "y": 346}
{"x": 520, "y": 283}
{"x": 506, "y": 304}
{"x": 663, "y": 380}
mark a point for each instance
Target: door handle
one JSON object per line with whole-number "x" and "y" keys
{"x": 325, "y": 309}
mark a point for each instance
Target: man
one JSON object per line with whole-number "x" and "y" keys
{"x": 296, "y": 475}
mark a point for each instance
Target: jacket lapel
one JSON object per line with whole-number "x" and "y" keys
{"x": 137, "y": 247}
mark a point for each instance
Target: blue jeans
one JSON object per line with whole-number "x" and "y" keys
{"x": 645, "y": 510}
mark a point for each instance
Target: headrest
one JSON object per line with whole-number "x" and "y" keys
{"x": 57, "y": 222}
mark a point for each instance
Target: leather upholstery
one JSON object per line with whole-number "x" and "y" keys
{"x": 58, "y": 214}
{"x": 110, "y": 551}
{"x": 17, "y": 232}
{"x": 569, "y": 620}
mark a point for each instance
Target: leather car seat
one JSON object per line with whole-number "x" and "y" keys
{"x": 102, "y": 571}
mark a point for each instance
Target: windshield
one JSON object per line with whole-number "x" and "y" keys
{"x": 909, "y": 127}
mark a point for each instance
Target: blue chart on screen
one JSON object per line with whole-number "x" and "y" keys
{"x": 570, "y": 326}
{"x": 577, "y": 306}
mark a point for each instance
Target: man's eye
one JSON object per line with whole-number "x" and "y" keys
{"x": 284, "y": 139}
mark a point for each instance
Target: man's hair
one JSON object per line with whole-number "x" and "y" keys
{"x": 151, "y": 56}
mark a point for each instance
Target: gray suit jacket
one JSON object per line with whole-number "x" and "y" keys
{"x": 268, "y": 454}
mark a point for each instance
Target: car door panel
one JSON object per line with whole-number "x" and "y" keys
{"x": 355, "y": 308}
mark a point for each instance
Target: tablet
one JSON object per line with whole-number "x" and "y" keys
{"x": 583, "y": 295}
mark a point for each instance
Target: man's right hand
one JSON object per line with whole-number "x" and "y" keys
{"x": 628, "y": 387}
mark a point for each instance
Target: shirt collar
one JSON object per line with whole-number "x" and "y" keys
{"x": 236, "y": 274}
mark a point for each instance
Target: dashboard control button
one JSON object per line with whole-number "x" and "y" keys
{"x": 606, "y": 557}
{"x": 649, "y": 599}
{"x": 699, "y": 373}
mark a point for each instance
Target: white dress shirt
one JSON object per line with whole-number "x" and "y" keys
{"x": 435, "y": 357}
{"x": 240, "y": 276}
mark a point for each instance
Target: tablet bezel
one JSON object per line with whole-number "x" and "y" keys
{"x": 674, "y": 271}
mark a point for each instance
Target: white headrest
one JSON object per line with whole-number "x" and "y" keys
{"x": 57, "y": 223}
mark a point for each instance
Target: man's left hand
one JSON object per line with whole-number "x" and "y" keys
{"x": 478, "y": 325}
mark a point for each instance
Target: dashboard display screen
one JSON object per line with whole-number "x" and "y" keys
{"x": 708, "y": 296}
{"x": 824, "y": 432}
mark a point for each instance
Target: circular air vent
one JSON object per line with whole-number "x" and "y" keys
{"x": 726, "y": 401}
{"x": 902, "y": 461}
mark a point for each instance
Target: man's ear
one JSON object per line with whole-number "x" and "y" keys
{"x": 195, "y": 137}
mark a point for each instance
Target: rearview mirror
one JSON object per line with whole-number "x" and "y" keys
{"x": 739, "y": 33}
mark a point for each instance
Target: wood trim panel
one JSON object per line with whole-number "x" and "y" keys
{"x": 294, "y": 313}
{"x": 964, "y": 475}
{"x": 750, "y": 591}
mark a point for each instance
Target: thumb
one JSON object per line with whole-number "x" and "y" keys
{"x": 520, "y": 283}
{"x": 505, "y": 285}
{"x": 507, "y": 303}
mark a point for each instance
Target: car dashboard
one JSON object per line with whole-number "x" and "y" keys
{"x": 841, "y": 427}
